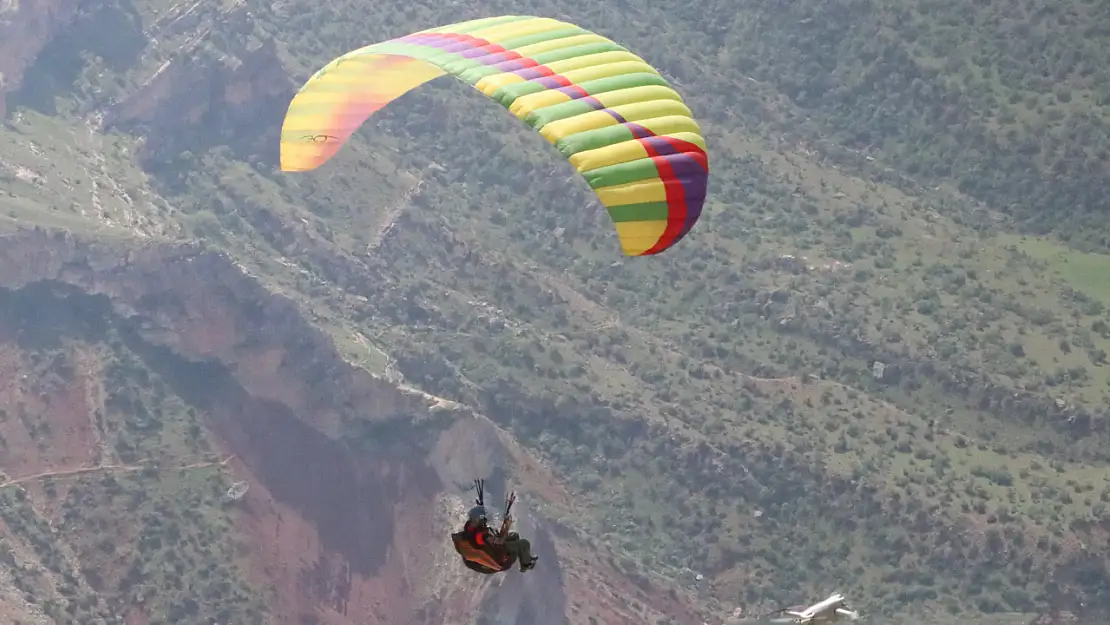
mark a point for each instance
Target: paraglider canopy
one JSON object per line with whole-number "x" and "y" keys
{"x": 617, "y": 120}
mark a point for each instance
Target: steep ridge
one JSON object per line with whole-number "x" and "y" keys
{"x": 354, "y": 481}
{"x": 25, "y": 29}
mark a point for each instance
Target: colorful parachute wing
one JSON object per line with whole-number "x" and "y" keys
{"x": 621, "y": 125}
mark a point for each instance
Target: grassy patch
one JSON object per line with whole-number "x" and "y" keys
{"x": 1085, "y": 271}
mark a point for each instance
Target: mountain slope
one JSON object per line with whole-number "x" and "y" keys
{"x": 729, "y": 387}
{"x": 146, "y": 371}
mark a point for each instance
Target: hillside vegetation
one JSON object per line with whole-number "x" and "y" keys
{"x": 918, "y": 184}
{"x": 139, "y": 453}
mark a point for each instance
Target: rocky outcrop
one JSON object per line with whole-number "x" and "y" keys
{"x": 47, "y": 46}
{"x": 26, "y": 26}
{"x": 201, "y": 99}
{"x": 203, "y": 307}
{"x": 355, "y": 482}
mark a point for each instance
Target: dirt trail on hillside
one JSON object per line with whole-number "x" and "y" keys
{"x": 123, "y": 468}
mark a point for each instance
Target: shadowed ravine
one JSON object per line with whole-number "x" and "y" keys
{"x": 299, "y": 466}
{"x": 319, "y": 477}
{"x": 348, "y": 488}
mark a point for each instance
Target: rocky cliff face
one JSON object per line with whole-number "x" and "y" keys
{"x": 26, "y": 26}
{"x": 198, "y": 98}
{"x": 354, "y": 480}
{"x": 235, "y": 99}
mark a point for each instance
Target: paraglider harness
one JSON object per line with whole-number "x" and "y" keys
{"x": 493, "y": 558}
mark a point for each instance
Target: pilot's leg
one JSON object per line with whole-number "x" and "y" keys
{"x": 519, "y": 548}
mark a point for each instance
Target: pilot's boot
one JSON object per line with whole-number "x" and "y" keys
{"x": 529, "y": 565}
